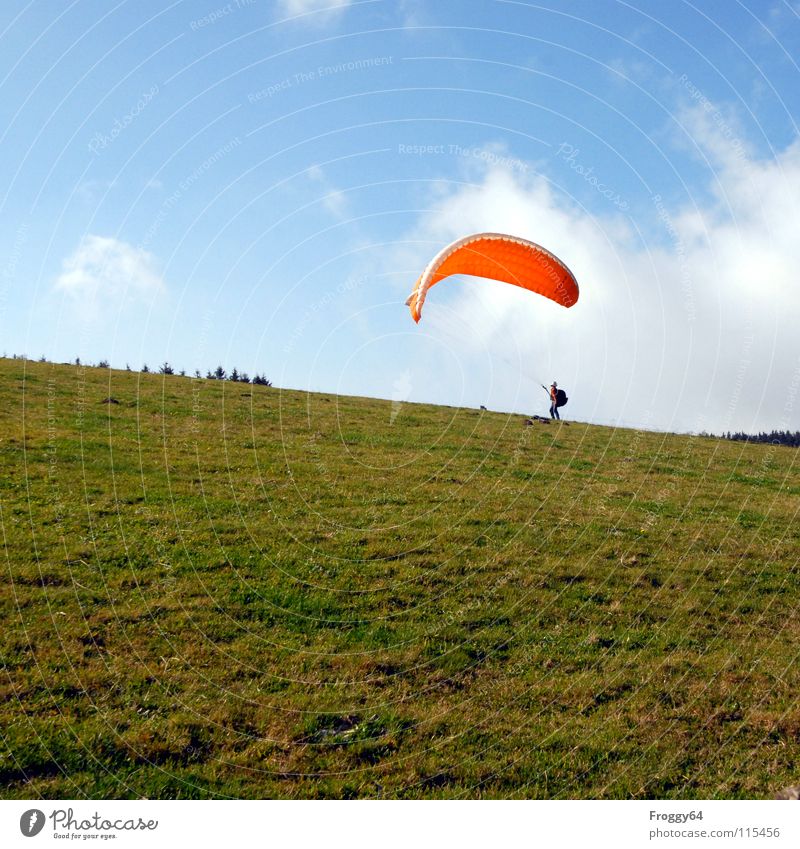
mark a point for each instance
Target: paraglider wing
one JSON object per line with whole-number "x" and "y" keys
{"x": 499, "y": 257}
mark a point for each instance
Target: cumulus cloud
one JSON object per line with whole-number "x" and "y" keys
{"x": 104, "y": 270}
{"x": 688, "y": 322}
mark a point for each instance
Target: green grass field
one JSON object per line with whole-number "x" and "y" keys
{"x": 213, "y": 589}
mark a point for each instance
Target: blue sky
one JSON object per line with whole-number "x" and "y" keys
{"x": 259, "y": 184}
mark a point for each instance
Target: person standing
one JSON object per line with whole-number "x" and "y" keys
{"x": 553, "y": 392}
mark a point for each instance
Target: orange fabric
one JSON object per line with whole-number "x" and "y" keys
{"x": 553, "y": 394}
{"x": 508, "y": 260}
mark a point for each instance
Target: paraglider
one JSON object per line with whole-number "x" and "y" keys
{"x": 558, "y": 398}
{"x": 507, "y": 259}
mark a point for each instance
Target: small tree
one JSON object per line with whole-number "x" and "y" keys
{"x": 103, "y": 364}
{"x": 234, "y": 375}
{"x": 197, "y": 373}
{"x": 166, "y": 368}
{"x": 77, "y": 360}
{"x": 244, "y": 377}
{"x": 219, "y": 373}
{"x": 182, "y": 372}
{"x": 127, "y": 366}
{"x": 145, "y": 369}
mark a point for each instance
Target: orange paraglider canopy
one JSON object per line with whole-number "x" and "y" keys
{"x": 499, "y": 257}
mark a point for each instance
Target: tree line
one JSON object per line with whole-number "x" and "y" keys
{"x": 165, "y": 368}
{"x": 774, "y": 437}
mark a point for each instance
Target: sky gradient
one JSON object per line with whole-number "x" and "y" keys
{"x": 259, "y": 184}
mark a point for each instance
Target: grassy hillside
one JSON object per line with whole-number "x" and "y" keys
{"x": 216, "y": 589}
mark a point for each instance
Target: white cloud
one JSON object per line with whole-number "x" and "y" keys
{"x": 695, "y": 330}
{"x": 94, "y": 191}
{"x": 315, "y": 9}
{"x": 334, "y": 200}
{"x": 414, "y": 13}
{"x": 107, "y": 271}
